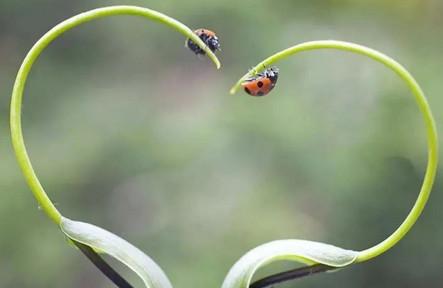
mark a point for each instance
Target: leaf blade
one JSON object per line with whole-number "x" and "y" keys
{"x": 307, "y": 252}
{"x": 106, "y": 242}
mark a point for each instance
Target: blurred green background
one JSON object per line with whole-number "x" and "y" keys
{"x": 130, "y": 131}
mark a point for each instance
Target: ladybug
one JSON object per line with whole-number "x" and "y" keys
{"x": 207, "y": 36}
{"x": 262, "y": 83}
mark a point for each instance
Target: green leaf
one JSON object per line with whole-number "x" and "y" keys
{"x": 104, "y": 241}
{"x": 307, "y": 252}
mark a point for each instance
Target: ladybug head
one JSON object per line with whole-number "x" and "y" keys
{"x": 272, "y": 74}
{"x": 211, "y": 40}
{"x": 213, "y": 43}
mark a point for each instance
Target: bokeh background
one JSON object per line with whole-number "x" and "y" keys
{"x": 129, "y": 130}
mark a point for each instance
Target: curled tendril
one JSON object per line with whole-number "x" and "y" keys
{"x": 34, "y": 53}
{"x": 242, "y": 276}
{"x": 89, "y": 238}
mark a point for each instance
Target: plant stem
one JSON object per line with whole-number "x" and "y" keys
{"x": 290, "y": 275}
{"x": 103, "y": 266}
{"x": 31, "y": 57}
{"x": 432, "y": 139}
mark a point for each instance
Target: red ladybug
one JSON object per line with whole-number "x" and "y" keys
{"x": 262, "y": 83}
{"x": 207, "y": 36}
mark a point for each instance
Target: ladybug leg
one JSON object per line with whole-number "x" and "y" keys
{"x": 259, "y": 73}
{"x": 254, "y": 72}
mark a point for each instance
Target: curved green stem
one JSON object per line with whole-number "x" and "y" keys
{"x": 420, "y": 98}
{"x": 33, "y": 54}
